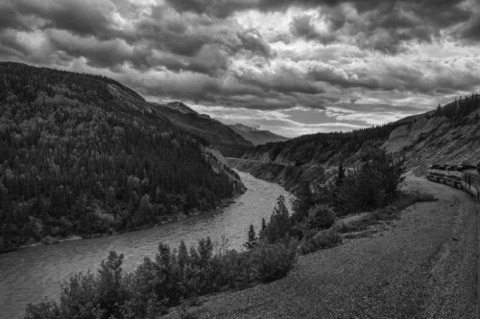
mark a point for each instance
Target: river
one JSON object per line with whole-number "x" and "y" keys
{"x": 31, "y": 274}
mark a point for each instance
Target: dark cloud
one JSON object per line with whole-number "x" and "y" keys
{"x": 386, "y": 26}
{"x": 168, "y": 35}
{"x": 211, "y": 52}
{"x": 396, "y": 77}
{"x": 333, "y": 77}
{"x": 286, "y": 81}
{"x": 101, "y": 54}
{"x": 11, "y": 19}
{"x": 251, "y": 40}
{"x": 86, "y": 17}
{"x": 302, "y": 26}
{"x": 11, "y": 46}
{"x": 225, "y": 8}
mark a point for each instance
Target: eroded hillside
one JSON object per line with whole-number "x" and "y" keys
{"x": 447, "y": 135}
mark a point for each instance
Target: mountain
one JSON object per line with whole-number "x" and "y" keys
{"x": 182, "y": 108}
{"x": 221, "y": 136}
{"x": 256, "y": 136}
{"x": 83, "y": 154}
{"x": 447, "y": 135}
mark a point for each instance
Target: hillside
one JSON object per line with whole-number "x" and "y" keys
{"x": 221, "y": 136}
{"x": 449, "y": 134}
{"x": 83, "y": 154}
{"x": 182, "y": 108}
{"x": 256, "y": 136}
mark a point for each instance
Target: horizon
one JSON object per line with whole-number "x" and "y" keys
{"x": 290, "y": 67}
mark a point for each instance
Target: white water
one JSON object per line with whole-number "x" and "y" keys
{"x": 31, "y": 274}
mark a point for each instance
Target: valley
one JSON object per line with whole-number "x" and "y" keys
{"x": 197, "y": 159}
{"x": 85, "y": 156}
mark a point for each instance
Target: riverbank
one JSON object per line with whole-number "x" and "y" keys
{"x": 32, "y": 274}
{"x": 49, "y": 240}
{"x": 421, "y": 266}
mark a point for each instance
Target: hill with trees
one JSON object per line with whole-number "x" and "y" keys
{"x": 221, "y": 136}
{"x": 448, "y": 134}
{"x": 83, "y": 154}
{"x": 256, "y": 136}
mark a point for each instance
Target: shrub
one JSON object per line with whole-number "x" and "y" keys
{"x": 321, "y": 217}
{"x": 273, "y": 261}
{"x": 322, "y": 240}
{"x": 87, "y": 296}
{"x": 375, "y": 184}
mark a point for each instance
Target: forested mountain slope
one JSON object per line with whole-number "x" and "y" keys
{"x": 256, "y": 136}
{"x": 447, "y": 135}
{"x": 83, "y": 154}
{"x": 224, "y": 138}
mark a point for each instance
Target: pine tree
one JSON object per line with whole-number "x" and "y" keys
{"x": 182, "y": 255}
{"x": 279, "y": 226}
{"x": 252, "y": 238}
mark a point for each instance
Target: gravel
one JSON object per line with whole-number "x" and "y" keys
{"x": 422, "y": 266}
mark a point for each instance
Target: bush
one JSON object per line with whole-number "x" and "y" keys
{"x": 321, "y": 217}
{"x": 375, "y": 184}
{"x": 173, "y": 276}
{"x": 322, "y": 240}
{"x": 87, "y": 296}
{"x": 273, "y": 261}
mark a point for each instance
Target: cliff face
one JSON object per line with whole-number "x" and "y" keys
{"x": 292, "y": 178}
{"x": 436, "y": 141}
{"x": 449, "y": 135}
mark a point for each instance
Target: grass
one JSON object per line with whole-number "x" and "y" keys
{"x": 386, "y": 215}
{"x": 323, "y": 239}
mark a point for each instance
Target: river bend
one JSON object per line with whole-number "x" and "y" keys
{"x": 34, "y": 273}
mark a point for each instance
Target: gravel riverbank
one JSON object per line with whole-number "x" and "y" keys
{"x": 423, "y": 266}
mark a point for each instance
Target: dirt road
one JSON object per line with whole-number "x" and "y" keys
{"x": 424, "y": 266}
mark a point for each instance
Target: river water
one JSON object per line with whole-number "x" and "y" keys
{"x": 34, "y": 273}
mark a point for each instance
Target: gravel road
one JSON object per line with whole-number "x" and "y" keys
{"x": 423, "y": 266}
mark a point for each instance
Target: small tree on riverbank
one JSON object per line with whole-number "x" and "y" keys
{"x": 279, "y": 227}
{"x": 252, "y": 238}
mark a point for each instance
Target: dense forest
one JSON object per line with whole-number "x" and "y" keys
{"x": 83, "y": 154}
{"x": 321, "y": 147}
{"x": 456, "y": 111}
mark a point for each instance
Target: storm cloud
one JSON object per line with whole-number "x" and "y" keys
{"x": 391, "y": 57}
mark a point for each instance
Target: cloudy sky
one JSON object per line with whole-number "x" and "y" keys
{"x": 293, "y": 67}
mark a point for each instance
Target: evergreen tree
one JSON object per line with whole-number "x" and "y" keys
{"x": 279, "y": 226}
{"x": 252, "y": 238}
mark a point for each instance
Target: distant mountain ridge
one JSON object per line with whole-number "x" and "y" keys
{"x": 256, "y": 136}
{"x": 83, "y": 154}
{"x": 179, "y": 106}
{"x": 223, "y": 137}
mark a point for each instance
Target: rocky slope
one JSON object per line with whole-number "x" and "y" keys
{"x": 225, "y": 139}
{"x": 256, "y": 136}
{"x": 291, "y": 177}
{"x": 448, "y": 135}
{"x": 85, "y": 155}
